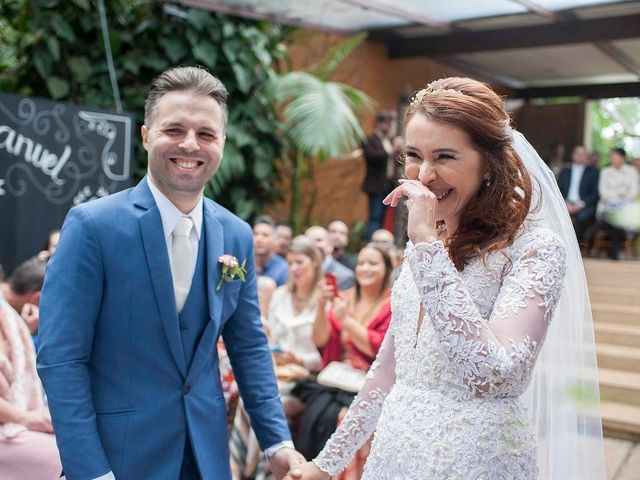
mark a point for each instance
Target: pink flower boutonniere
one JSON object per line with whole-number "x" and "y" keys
{"x": 230, "y": 269}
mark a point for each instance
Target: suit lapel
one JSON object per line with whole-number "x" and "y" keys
{"x": 215, "y": 248}
{"x": 155, "y": 249}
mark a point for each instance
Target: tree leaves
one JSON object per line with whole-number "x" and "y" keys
{"x": 206, "y": 53}
{"x": 80, "y": 68}
{"x": 61, "y": 56}
{"x": 58, "y": 87}
{"x": 174, "y": 48}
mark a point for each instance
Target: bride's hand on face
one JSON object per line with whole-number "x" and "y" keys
{"x": 311, "y": 472}
{"x": 421, "y": 207}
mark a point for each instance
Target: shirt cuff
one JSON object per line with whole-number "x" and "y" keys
{"x": 270, "y": 452}
{"x": 106, "y": 476}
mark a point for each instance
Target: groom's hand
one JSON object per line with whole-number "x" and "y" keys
{"x": 286, "y": 460}
{"x": 310, "y": 472}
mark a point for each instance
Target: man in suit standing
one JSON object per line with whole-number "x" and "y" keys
{"x": 378, "y": 156}
{"x": 134, "y": 300}
{"x": 578, "y": 183}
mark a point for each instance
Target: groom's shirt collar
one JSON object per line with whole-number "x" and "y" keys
{"x": 170, "y": 213}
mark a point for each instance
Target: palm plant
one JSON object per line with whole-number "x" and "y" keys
{"x": 319, "y": 118}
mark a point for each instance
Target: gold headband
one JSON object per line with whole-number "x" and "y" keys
{"x": 432, "y": 90}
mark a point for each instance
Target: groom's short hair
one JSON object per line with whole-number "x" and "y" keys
{"x": 191, "y": 79}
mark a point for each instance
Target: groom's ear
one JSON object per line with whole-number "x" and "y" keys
{"x": 144, "y": 133}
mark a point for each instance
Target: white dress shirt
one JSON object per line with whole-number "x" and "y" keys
{"x": 170, "y": 216}
{"x": 573, "y": 196}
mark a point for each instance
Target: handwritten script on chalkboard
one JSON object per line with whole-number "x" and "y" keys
{"x": 53, "y": 156}
{"x": 61, "y": 151}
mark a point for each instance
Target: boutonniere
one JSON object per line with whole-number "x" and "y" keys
{"x": 230, "y": 270}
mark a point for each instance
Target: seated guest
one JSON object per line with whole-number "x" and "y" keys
{"x": 339, "y": 238}
{"x": 50, "y": 245}
{"x": 320, "y": 238}
{"x": 266, "y": 287}
{"x": 23, "y": 292}
{"x": 293, "y": 308}
{"x": 290, "y": 319}
{"x": 618, "y": 186}
{"x": 267, "y": 262}
{"x": 578, "y": 184}
{"x": 27, "y": 444}
{"x": 383, "y": 238}
{"x": 284, "y": 235}
{"x": 349, "y": 330}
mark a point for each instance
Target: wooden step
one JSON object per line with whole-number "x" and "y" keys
{"x": 604, "y": 294}
{"x": 620, "y": 387}
{"x": 597, "y": 265}
{"x": 615, "y": 277}
{"x": 621, "y": 420}
{"x": 616, "y": 313}
{"x": 617, "y": 357}
{"x": 617, "y": 334}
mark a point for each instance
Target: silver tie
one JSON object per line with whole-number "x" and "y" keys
{"x": 182, "y": 260}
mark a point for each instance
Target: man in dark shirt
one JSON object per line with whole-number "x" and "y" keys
{"x": 578, "y": 183}
{"x": 378, "y": 155}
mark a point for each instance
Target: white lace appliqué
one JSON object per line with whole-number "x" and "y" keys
{"x": 443, "y": 399}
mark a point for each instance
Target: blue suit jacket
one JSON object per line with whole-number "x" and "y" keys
{"x": 111, "y": 359}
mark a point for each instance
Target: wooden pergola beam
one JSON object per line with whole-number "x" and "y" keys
{"x": 587, "y": 91}
{"x": 621, "y": 58}
{"x": 579, "y": 31}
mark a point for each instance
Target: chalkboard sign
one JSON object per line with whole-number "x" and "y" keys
{"x": 54, "y": 156}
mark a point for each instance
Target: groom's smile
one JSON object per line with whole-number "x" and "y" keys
{"x": 184, "y": 141}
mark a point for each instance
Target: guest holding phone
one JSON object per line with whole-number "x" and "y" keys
{"x": 349, "y": 329}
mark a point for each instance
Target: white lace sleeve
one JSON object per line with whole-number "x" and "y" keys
{"x": 495, "y": 356}
{"x": 361, "y": 419}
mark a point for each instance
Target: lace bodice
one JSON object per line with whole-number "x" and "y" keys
{"x": 482, "y": 331}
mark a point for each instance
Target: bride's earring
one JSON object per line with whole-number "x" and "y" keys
{"x": 487, "y": 180}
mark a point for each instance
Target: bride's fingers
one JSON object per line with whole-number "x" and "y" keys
{"x": 394, "y": 197}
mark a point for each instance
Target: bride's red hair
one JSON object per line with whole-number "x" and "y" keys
{"x": 491, "y": 221}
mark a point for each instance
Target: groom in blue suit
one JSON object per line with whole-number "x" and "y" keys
{"x": 130, "y": 312}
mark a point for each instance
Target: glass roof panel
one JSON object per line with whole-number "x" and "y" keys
{"x": 451, "y": 11}
{"x": 332, "y": 14}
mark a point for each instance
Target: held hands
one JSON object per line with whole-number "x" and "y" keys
{"x": 310, "y": 471}
{"x": 286, "y": 464}
{"x": 421, "y": 206}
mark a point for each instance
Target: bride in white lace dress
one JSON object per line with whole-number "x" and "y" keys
{"x": 471, "y": 308}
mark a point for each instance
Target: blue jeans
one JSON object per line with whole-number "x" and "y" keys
{"x": 376, "y": 213}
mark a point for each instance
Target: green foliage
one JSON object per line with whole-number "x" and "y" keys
{"x": 54, "y": 48}
{"x": 319, "y": 119}
{"x": 613, "y": 122}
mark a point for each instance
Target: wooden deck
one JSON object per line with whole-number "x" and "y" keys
{"x": 614, "y": 289}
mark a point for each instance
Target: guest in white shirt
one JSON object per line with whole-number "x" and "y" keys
{"x": 293, "y": 308}
{"x": 618, "y": 186}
